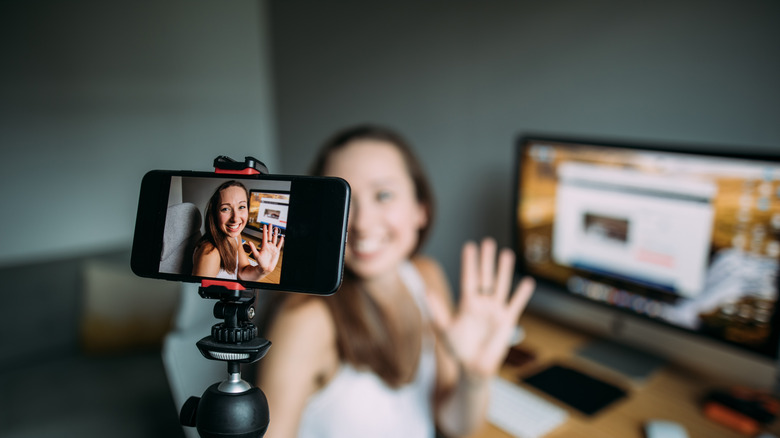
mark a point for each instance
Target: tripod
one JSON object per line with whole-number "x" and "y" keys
{"x": 233, "y": 407}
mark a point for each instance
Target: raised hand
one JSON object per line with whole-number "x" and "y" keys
{"x": 268, "y": 255}
{"x": 478, "y": 333}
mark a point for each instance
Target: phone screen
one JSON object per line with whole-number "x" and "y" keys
{"x": 304, "y": 217}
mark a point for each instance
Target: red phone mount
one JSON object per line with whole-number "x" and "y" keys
{"x": 233, "y": 407}
{"x": 250, "y": 166}
{"x": 235, "y": 340}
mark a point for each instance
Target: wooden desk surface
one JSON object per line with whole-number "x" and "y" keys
{"x": 671, "y": 393}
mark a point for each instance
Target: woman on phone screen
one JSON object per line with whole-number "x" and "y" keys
{"x": 219, "y": 253}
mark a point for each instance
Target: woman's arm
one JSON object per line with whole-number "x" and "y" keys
{"x": 460, "y": 404}
{"x": 302, "y": 357}
{"x": 476, "y": 336}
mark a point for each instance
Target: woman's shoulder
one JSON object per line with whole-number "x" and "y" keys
{"x": 304, "y": 354}
{"x": 305, "y": 304}
{"x": 205, "y": 248}
{"x": 206, "y": 259}
{"x": 428, "y": 267}
{"x": 304, "y": 316}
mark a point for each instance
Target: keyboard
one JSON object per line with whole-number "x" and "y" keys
{"x": 520, "y": 412}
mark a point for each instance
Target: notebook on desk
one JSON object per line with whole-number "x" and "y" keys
{"x": 578, "y": 390}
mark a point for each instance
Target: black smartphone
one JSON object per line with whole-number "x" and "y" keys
{"x": 304, "y": 217}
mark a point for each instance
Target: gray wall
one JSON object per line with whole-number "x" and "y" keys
{"x": 462, "y": 79}
{"x": 92, "y": 95}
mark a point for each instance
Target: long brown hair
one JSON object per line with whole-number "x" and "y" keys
{"x": 214, "y": 235}
{"x": 367, "y": 337}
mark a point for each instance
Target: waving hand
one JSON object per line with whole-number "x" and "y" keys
{"x": 267, "y": 257}
{"x": 479, "y": 331}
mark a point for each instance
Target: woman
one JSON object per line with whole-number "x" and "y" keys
{"x": 388, "y": 355}
{"x": 218, "y": 254}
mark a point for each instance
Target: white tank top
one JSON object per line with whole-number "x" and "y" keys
{"x": 359, "y": 404}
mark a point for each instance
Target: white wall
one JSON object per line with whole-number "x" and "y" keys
{"x": 93, "y": 94}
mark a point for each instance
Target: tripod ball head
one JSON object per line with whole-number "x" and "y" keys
{"x": 219, "y": 414}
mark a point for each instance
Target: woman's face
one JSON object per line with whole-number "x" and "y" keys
{"x": 232, "y": 211}
{"x": 384, "y": 216}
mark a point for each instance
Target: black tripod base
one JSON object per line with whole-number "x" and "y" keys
{"x": 220, "y": 414}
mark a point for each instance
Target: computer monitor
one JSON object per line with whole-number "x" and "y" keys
{"x": 267, "y": 208}
{"x": 670, "y": 250}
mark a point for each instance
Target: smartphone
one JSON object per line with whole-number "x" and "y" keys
{"x": 306, "y": 217}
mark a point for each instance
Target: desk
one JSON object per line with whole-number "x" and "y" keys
{"x": 671, "y": 393}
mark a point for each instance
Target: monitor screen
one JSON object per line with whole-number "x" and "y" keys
{"x": 684, "y": 238}
{"x": 268, "y": 208}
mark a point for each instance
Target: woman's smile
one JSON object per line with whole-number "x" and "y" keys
{"x": 366, "y": 247}
{"x": 235, "y": 227}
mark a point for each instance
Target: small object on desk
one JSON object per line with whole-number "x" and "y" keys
{"x": 518, "y": 356}
{"x": 518, "y": 335}
{"x": 741, "y": 409}
{"x": 520, "y": 412}
{"x": 664, "y": 429}
{"x": 578, "y": 390}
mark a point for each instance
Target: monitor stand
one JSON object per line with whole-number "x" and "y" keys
{"x": 635, "y": 364}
